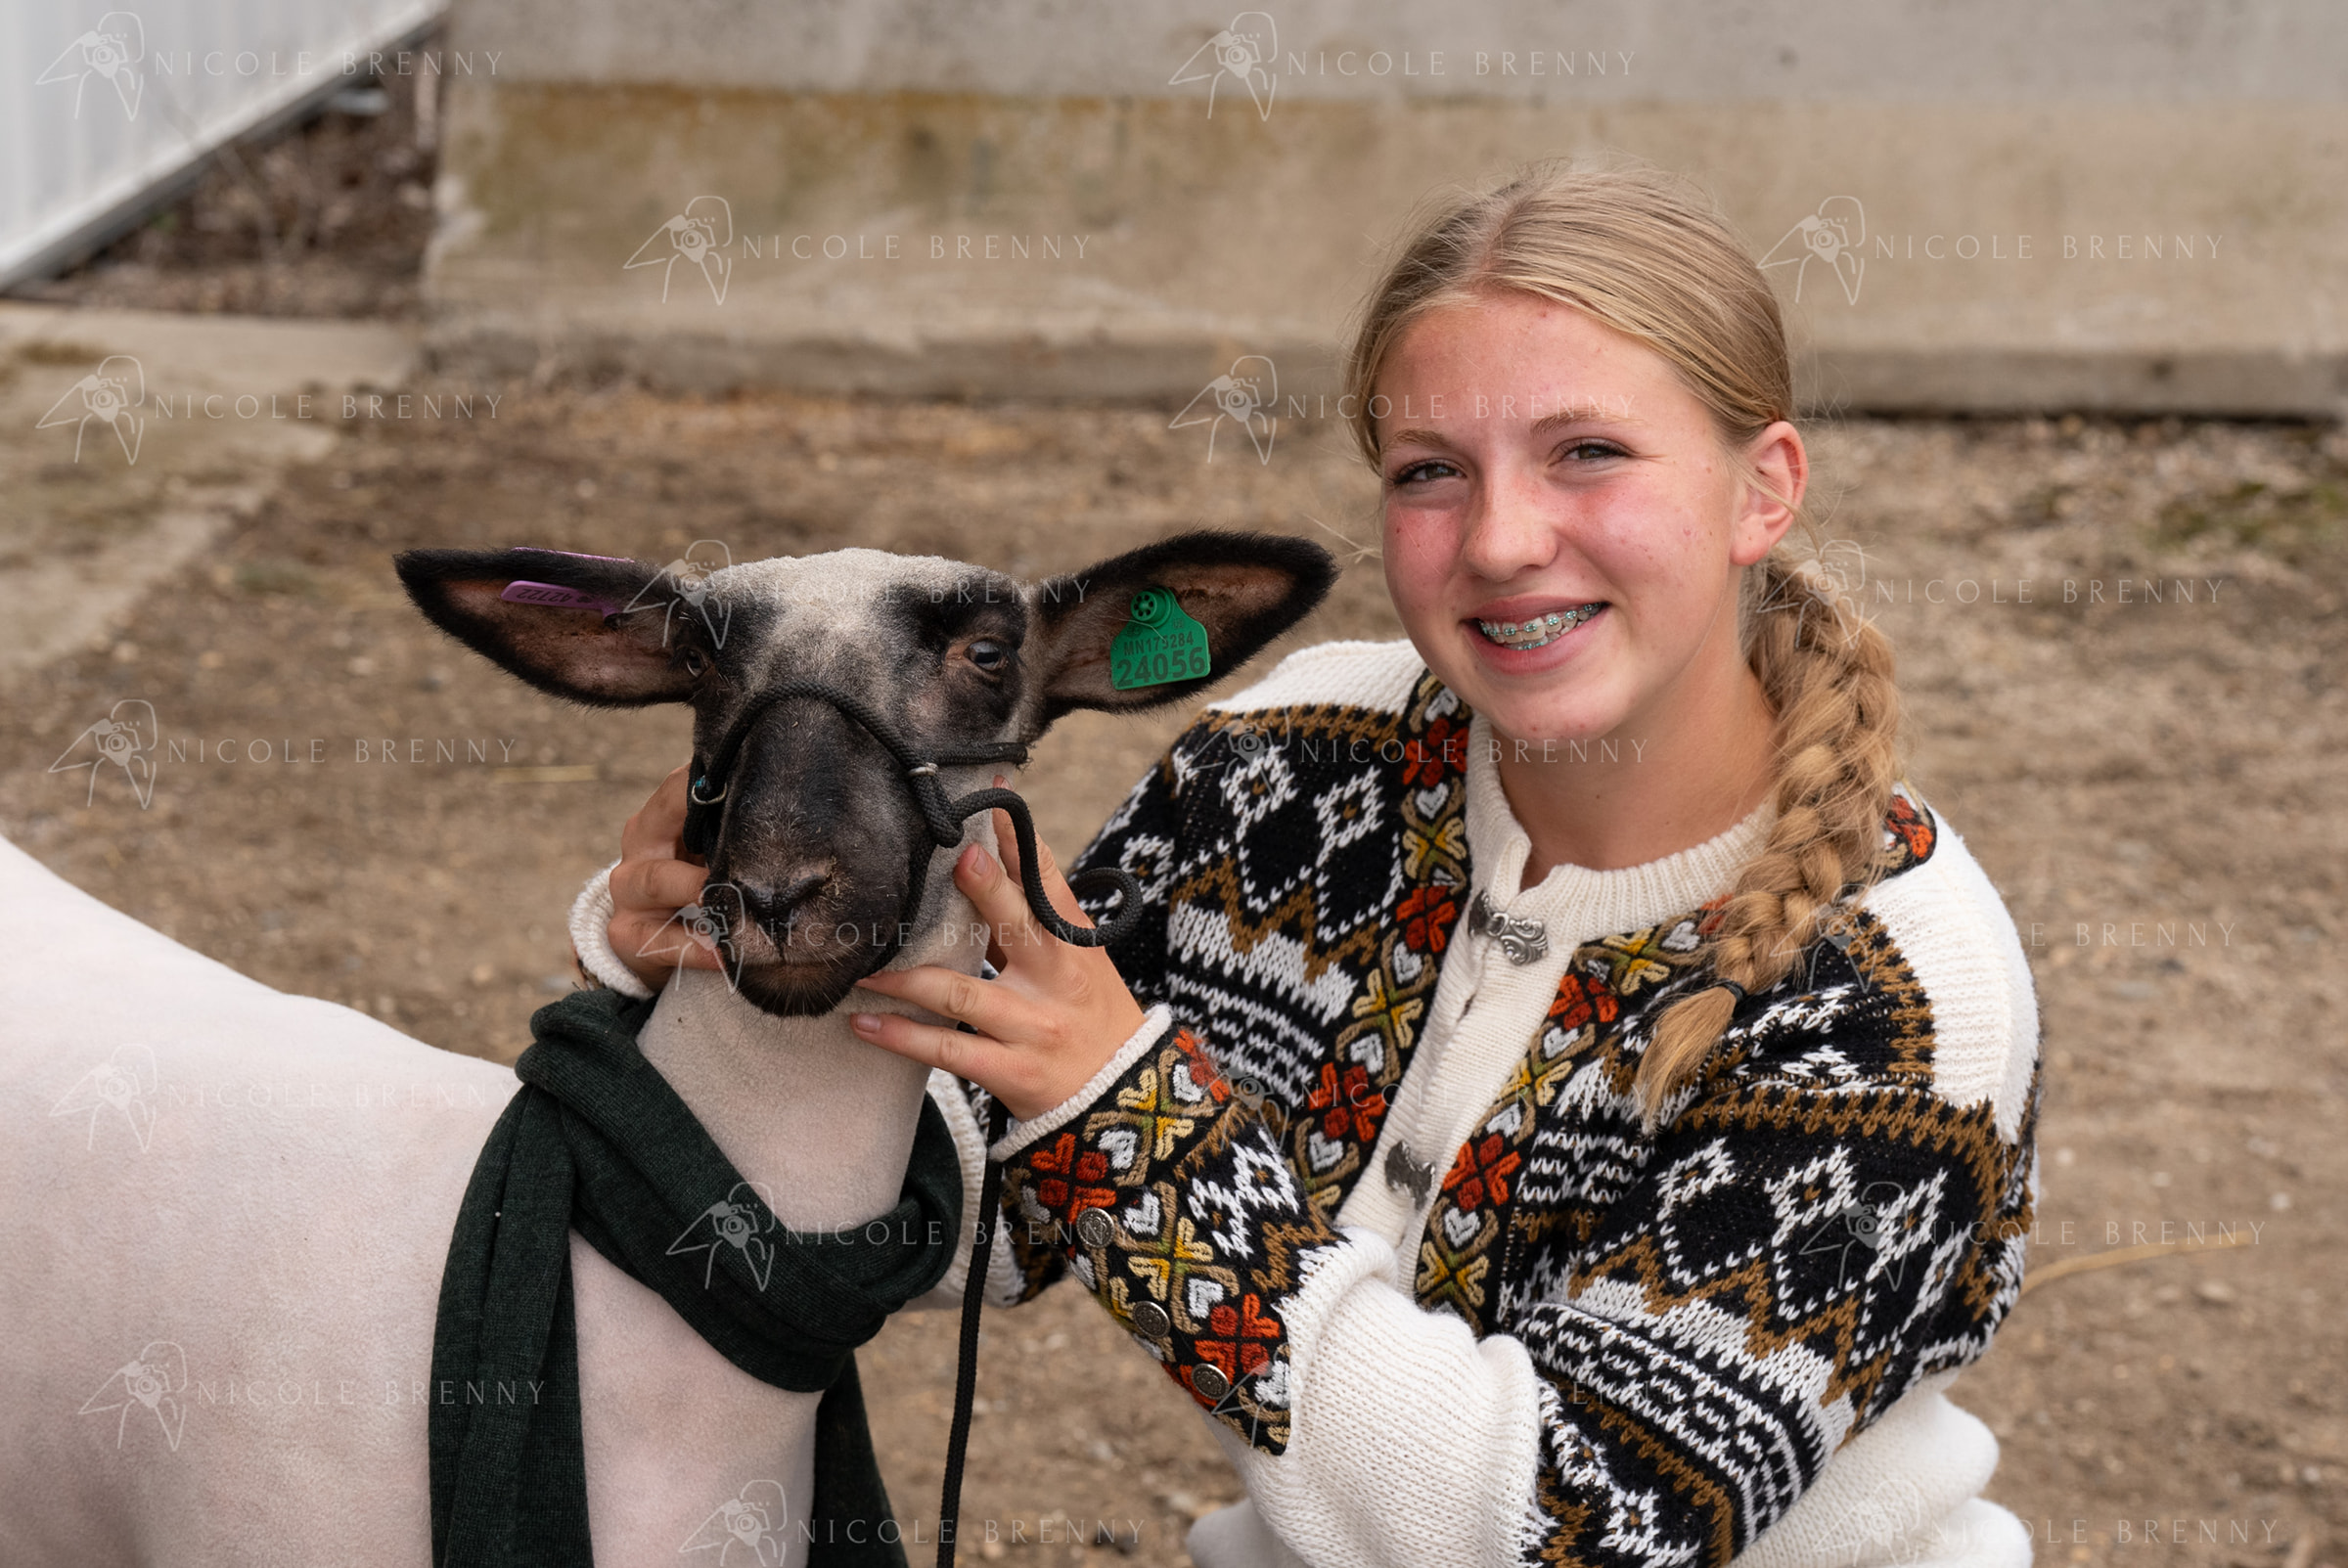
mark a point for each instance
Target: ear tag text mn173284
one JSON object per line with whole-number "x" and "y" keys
{"x": 1160, "y": 644}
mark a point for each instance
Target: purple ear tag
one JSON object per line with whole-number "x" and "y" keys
{"x": 551, "y": 596}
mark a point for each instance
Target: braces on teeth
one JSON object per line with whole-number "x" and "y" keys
{"x": 1541, "y": 628}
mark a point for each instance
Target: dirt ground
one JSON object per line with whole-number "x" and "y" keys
{"x": 2153, "y": 783}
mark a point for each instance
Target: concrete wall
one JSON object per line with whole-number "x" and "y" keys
{"x": 2119, "y": 205}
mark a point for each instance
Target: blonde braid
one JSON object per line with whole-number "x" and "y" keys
{"x": 1827, "y": 672}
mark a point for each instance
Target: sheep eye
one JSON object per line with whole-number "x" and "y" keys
{"x": 988, "y": 655}
{"x": 694, "y": 663}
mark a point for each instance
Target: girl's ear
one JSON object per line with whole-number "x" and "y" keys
{"x": 1244, "y": 589}
{"x": 596, "y": 629}
{"x": 1765, "y": 512}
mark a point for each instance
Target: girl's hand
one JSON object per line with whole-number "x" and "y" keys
{"x": 653, "y": 880}
{"x": 1049, "y": 1020}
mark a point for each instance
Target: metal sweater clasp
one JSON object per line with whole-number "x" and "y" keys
{"x": 1523, "y": 941}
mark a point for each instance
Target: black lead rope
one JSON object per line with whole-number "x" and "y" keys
{"x": 966, "y": 1364}
{"x": 705, "y": 804}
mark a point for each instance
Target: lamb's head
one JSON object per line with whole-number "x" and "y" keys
{"x": 822, "y": 865}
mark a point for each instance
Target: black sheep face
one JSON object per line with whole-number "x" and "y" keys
{"x": 821, "y": 868}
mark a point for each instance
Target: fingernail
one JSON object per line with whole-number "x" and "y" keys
{"x": 975, "y": 860}
{"x": 865, "y": 1023}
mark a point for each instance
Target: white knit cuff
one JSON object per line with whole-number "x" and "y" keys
{"x": 1004, "y": 1281}
{"x": 590, "y": 937}
{"x": 1899, "y": 1492}
{"x": 1018, "y": 1135}
{"x": 1405, "y": 1426}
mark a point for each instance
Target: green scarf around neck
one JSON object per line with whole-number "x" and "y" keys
{"x": 598, "y": 1142}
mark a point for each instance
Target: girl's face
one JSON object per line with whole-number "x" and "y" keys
{"x": 1564, "y": 534}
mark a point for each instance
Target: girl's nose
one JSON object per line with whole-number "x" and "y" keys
{"x": 1508, "y": 529}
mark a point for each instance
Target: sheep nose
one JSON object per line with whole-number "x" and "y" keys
{"x": 772, "y": 904}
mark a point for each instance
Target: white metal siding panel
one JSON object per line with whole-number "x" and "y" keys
{"x": 135, "y": 95}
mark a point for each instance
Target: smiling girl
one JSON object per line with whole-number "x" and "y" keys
{"x": 1566, "y": 1101}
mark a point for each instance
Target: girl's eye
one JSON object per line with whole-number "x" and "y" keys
{"x": 1591, "y": 450}
{"x": 1425, "y": 470}
{"x": 988, "y": 656}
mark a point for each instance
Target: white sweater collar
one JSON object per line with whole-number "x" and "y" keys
{"x": 1575, "y": 902}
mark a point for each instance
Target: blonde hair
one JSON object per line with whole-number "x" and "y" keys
{"x": 1646, "y": 255}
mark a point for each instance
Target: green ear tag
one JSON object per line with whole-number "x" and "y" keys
{"x": 1159, "y": 645}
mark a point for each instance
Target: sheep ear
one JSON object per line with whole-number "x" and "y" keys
{"x": 1243, "y": 588}
{"x": 594, "y": 629}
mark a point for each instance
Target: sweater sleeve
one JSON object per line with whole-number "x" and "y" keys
{"x": 591, "y": 942}
{"x": 1784, "y": 1262}
{"x": 1140, "y": 838}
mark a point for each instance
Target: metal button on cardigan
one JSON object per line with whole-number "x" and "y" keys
{"x": 1149, "y": 1321}
{"x": 1094, "y": 1227}
{"x": 1406, "y": 1172}
{"x": 1209, "y": 1382}
{"x": 1523, "y": 941}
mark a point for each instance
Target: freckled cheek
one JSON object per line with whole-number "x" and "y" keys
{"x": 1648, "y": 556}
{"x": 1627, "y": 557}
{"x": 1420, "y": 553}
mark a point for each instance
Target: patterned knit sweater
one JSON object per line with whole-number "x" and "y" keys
{"x": 1371, "y": 1183}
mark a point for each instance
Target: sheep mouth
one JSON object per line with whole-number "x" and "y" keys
{"x": 799, "y": 987}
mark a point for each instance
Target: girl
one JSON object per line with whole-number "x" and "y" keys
{"x": 1567, "y": 1100}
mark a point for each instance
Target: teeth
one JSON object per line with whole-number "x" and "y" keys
{"x": 1541, "y": 630}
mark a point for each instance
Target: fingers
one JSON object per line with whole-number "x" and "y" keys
{"x": 655, "y": 831}
{"x": 965, "y": 1055}
{"x": 662, "y": 886}
{"x": 643, "y": 930}
{"x": 991, "y": 1009}
{"x": 652, "y": 880}
{"x": 995, "y": 893}
{"x": 652, "y": 943}
{"x": 1002, "y": 1071}
{"x": 1056, "y": 886}
{"x": 1006, "y": 838}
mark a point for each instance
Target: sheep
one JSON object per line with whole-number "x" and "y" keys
{"x": 227, "y": 1208}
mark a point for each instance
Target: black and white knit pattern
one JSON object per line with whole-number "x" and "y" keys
{"x": 1560, "y": 1339}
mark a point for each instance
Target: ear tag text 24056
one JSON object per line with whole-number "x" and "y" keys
{"x": 1159, "y": 645}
